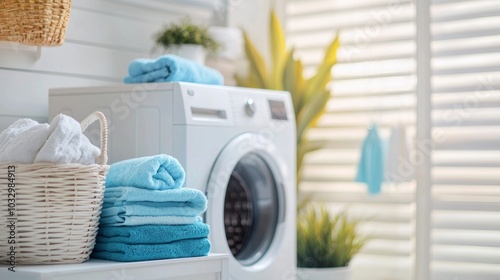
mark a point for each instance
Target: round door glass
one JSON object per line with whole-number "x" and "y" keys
{"x": 250, "y": 209}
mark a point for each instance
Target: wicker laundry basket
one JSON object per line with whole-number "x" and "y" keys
{"x": 34, "y": 22}
{"x": 49, "y": 213}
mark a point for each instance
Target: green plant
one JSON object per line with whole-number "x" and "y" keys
{"x": 326, "y": 240}
{"x": 309, "y": 95}
{"x": 185, "y": 32}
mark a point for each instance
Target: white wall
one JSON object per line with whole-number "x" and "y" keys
{"x": 103, "y": 36}
{"x": 253, "y": 17}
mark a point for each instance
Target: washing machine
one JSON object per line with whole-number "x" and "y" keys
{"x": 236, "y": 144}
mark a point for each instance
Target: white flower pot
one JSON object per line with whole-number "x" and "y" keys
{"x": 333, "y": 273}
{"x": 190, "y": 51}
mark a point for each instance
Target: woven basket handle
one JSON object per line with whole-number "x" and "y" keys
{"x": 102, "y": 159}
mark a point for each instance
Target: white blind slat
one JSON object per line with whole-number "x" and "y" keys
{"x": 466, "y": 237}
{"x": 465, "y": 10}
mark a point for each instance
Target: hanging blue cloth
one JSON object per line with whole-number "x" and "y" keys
{"x": 371, "y": 163}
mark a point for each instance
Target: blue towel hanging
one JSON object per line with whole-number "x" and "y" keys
{"x": 371, "y": 163}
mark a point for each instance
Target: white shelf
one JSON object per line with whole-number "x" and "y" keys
{"x": 212, "y": 267}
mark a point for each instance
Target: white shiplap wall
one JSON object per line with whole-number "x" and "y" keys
{"x": 103, "y": 36}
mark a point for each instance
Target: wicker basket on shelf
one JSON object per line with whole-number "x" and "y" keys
{"x": 34, "y": 22}
{"x": 49, "y": 213}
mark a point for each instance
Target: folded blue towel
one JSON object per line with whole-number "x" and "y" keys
{"x": 167, "y": 209}
{"x": 159, "y": 172}
{"x": 126, "y": 196}
{"x": 147, "y": 220}
{"x": 144, "y": 252}
{"x": 135, "y": 206}
{"x": 371, "y": 163}
{"x": 151, "y": 234}
{"x": 171, "y": 68}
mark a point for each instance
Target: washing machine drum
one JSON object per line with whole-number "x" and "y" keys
{"x": 250, "y": 209}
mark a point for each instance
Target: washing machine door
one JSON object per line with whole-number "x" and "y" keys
{"x": 247, "y": 205}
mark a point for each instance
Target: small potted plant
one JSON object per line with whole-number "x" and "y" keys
{"x": 187, "y": 40}
{"x": 326, "y": 243}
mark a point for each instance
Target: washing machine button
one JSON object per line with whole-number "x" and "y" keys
{"x": 250, "y": 107}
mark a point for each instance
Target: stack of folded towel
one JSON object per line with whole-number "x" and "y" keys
{"x": 171, "y": 68}
{"x": 148, "y": 215}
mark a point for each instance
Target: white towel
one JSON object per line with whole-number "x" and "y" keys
{"x": 67, "y": 144}
{"x": 63, "y": 142}
{"x": 22, "y": 141}
{"x": 398, "y": 167}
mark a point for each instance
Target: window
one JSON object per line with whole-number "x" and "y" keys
{"x": 375, "y": 81}
{"x": 466, "y": 127}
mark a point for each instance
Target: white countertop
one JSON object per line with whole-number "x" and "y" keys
{"x": 96, "y": 269}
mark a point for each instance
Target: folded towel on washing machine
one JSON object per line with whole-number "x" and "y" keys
{"x": 160, "y": 172}
{"x": 151, "y": 234}
{"x": 147, "y": 220}
{"x": 171, "y": 68}
{"x": 144, "y": 252}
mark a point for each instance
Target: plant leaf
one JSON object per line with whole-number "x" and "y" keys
{"x": 278, "y": 51}
{"x": 257, "y": 64}
{"x": 311, "y": 111}
{"x": 325, "y": 239}
{"x": 241, "y": 81}
{"x": 293, "y": 80}
{"x": 323, "y": 76}
{"x": 305, "y": 147}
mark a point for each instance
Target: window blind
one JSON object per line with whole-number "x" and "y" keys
{"x": 466, "y": 134}
{"x": 374, "y": 81}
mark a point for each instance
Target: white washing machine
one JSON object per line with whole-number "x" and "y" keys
{"x": 236, "y": 144}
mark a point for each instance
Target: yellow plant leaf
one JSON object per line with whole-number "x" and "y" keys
{"x": 323, "y": 76}
{"x": 241, "y": 81}
{"x": 249, "y": 82}
{"x": 257, "y": 64}
{"x": 299, "y": 70}
{"x": 314, "y": 122}
{"x": 278, "y": 51}
{"x": 293, "y": 81}
{"x": 311, "y": 110}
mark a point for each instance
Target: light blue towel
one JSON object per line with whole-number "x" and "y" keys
{"x": 151, "y": 234}
{"x": 159, "y": 172}
{"x": 144, "y": 252}
{"x": 128, "y": 206}
{"x": 167, "y": 209}
{"x": 147, "y": 220}
{"x": 123, "y": 196}
{"x": 371, "y": 163}
{"x": 171, "y": 68}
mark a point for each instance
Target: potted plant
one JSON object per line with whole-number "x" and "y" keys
{"x": 309, "y": 95}
{"x": 326, "y": 243}
{"x": 187, "y": 40}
